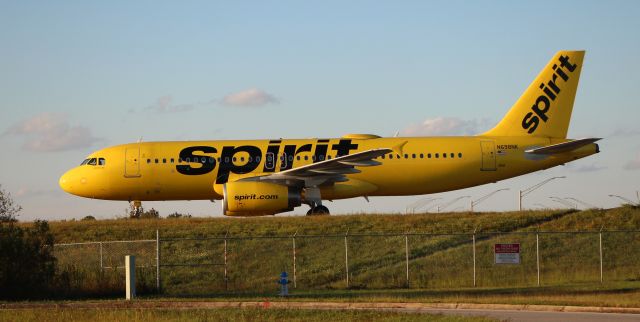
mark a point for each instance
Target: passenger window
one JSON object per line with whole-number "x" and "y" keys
{"x": 164, "y": 160}
{"x": 241, "y": 159}
{"x": 298, "y": 158}
{"x": 313, "y": 157}
{"x": 212, "y": 160}
{"x": 437, "y": 156}
{"x": 459, "y": 155}
{"x": 172, "y": 160}
{"x": 218, "y": 159}
{"x": 406, "y": 156}
{"x": 398, "y": 156}
{"x": 429, "y": 155}
{"x": 382, "y": 156}
{"x": 453, "y": 155}
{"x": 101, "y": 161}
{"x": 444, "y": 155}
{"x": 328, "y": 157}
{"x": 148, "y": 160}
{"x": 234, "y": 159}
{"x": 203, "y": 160}
{"x": 390, "y": 156}
{"x": 413, "y": 156}
{"x": 258, "y": 159}
{"x": 421, "y": 156}
{"x": 226, "y": 159}
{"x": 156, "y": 160}
{"x": 306, "y": 158}
{"x": 291, "y": 158}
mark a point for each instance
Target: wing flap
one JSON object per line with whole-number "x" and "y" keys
{"x": 327, "y": 171}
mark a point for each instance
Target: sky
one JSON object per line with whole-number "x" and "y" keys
{"x": 78, "y": 76}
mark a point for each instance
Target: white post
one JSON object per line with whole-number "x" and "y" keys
{"x": 406, "y": 254}
{"x": 130, "y": 271}
{"x": 346, "y": 260}
{"x": 538, "y": 256}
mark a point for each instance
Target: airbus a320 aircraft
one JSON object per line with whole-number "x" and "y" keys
{"x": 266, "y": 177}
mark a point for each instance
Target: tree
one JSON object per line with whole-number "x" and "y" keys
{"x": 27, "y": 264}
{"x": 8, "y": 209}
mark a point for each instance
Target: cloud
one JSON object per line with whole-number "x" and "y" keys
{"x": 24, "y": 192}
{"x": 446, "y": 126}
{"x": 249, "y": 97}
{"x": 164, "y": 104}
{"x": 625, "y": 132}
{"x": 633, "y": 164}
{"x": 50, "y": 132}
{"x": 586, "y": 168}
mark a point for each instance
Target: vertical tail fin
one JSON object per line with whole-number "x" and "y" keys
{"x": 544, "y": 109}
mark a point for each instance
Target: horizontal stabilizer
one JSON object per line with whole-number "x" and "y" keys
{"x": 562, "y": 147}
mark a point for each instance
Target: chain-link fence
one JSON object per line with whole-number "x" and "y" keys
{"x": 224, "y": 264}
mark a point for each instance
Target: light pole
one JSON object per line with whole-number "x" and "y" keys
{"x": 588, "y": 205}
{"x": 623, "y": 198}
{"x": 420, "y": 203}
{"x": 564, "y": 202}
{"x": 475, "y": 203}
{"x": 532, "y": 188}
{"x": 440, "y": 208}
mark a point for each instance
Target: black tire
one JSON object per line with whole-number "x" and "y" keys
{"x": 318, "y": 211}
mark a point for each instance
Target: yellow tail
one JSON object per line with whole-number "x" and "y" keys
{"x": 544, "y": 109}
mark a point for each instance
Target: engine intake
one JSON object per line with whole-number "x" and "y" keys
{"x": 253, "y": 198}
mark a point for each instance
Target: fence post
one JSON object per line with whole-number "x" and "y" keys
{"x": 101, "y": 260}
{"x": 346, "y": 257}
{"x": 226, "y": 279}
{"x": 295, "y": 285}
{"x": 474, "y": 257}
{"x": 538, "y": 256}
{"x": 601, "y": 272}
{"x": 158, "y": 260}
{"x": 406, "y": 254}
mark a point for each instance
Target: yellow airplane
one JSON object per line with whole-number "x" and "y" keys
{"x": 266, "y": 177}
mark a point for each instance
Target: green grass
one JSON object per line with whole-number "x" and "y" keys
{"x": 437, "y": 262}
{"x": 223, "y": 314}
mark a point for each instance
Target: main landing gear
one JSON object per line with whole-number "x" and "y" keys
{"x": 318, "y": 211}
{"x": 135, "y": 209}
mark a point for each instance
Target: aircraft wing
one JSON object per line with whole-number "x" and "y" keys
{"x": 327, "y": 171}
{"x": 562, "y": 147}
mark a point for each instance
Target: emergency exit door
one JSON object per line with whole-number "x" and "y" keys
{"x": 488, "y": 155}
{"x": 132, "y": 162}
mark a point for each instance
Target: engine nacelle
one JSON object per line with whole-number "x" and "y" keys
{"x": 254, "y": 198}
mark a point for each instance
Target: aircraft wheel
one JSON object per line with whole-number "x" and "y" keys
{"x": 318, "y": 211}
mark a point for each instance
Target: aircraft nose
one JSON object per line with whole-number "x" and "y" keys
{"x": 65, "y": 182}
{"x": 70, "y": 182}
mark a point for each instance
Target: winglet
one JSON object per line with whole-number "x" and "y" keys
{"x": 398, "y": 148}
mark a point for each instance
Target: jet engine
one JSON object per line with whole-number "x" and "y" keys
{"x": 254, "y": 198}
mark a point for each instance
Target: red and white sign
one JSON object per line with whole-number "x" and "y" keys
{"x": 507, "y": 253}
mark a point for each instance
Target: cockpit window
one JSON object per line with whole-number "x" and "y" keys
{"x": 101, "y": 161}
{"x": 84, "y": 162}
{"x": 92, "y": 161}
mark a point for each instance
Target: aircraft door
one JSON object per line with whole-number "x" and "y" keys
{"x": 132, "y": 162}
{"x": 488, "y": 155}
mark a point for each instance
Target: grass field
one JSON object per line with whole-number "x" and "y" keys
{"x": 224, "y": 314}
{"x": 441, "y": 266}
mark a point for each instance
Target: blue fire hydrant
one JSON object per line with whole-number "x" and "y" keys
{"x": 283, "y": 281}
